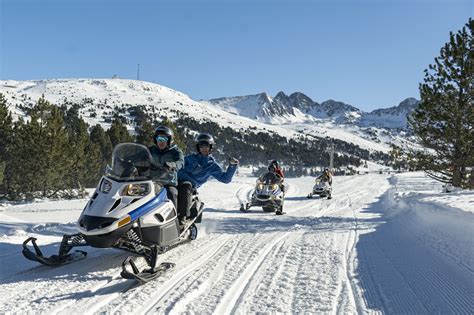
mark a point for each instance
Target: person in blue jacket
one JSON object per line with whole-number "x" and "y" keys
{"x": 198, "y": 167}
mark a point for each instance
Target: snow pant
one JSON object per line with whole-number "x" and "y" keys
{"x": 172, "y": 194}
{"x": 185, "y": 198}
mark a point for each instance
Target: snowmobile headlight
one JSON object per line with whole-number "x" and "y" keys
{"x": 106, "y": 186}
{"x": 274, "y": 186}
{"x": 260, "y": 186}
{"x": 136, "y": 190}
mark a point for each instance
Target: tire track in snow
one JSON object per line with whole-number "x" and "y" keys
{"x": 230, "y": 300}
{"x": 180, "y": 276}
{"x": 53, "y": 284}
{"x": 223, "y": 275}
{"x": 268, "y": 289}
{"x": 199, "y": 283}
{"x": 346, "y": 300}
{"x": 119, "y": 303}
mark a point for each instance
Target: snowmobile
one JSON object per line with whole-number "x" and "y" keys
{"x": 127, "y": 211}
{"x": 267, "y": 194}
{"x": 321, "y": 188}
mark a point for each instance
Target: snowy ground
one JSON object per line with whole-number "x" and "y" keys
{"x": 384, "y": 243}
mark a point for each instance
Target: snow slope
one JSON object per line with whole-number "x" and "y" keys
{"x": 100, "y": 97}
{"x": 383, "y": 244}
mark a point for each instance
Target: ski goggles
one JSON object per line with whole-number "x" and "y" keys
{"x": 161, "y": 139}
{"x": 204, "y": 144}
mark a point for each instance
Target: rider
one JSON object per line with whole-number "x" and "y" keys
{"x": 275, "y": 168}
{"x": 167, "y": 161}
{"x": 198, "y": 167}
{"x": 326, "y": 176}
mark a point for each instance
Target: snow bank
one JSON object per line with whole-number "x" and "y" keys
{"x": 444, "y": 220}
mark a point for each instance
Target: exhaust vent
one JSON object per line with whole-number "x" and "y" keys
{"x": 116, "y": 204}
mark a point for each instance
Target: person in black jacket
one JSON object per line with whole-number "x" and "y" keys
{"x": 167, "y": 160}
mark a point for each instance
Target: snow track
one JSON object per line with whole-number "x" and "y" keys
{"x": 361, "y": 252}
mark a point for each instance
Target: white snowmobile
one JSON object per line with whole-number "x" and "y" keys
{"x": 127, "y": 211}
{"x": 267, "y": 194}
{"x": 321, "y": 188}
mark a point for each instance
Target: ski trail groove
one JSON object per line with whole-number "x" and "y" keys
{"x": 179, "y": 276}
{"x": 228, "y": 303}
{"x": 205, "y": 279}
{"x": 117, "y": 305}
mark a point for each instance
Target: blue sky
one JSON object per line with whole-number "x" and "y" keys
{"x": 368, "y": 53}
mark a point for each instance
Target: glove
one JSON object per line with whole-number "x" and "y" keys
{"x": 233, "y": 161}
{"x": 170, "y": 166}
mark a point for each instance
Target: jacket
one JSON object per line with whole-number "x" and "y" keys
{"x": 279, "y": 172}
{"x": 325, "y": 178}
{"x": 159, "y": 171}
{"x": 198, "y": 168}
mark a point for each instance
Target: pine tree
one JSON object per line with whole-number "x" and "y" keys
{"x": 77, "y": 130}
{"x": 118, "y": 132}
{"x": 94, "y": 166}
{"x": 6, "y": 138}
{"x": 42, "y": 157}
{"x": 144, "y": 132}
{"x": 98, "y": 137}
{"x": 444, "y": 119}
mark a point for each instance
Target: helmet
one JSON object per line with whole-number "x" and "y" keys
{"x": 204, "y": 138}
{"x": 275, "y": 163}
{"x": 164, "y": 131}
{"x": 272, "y": 167}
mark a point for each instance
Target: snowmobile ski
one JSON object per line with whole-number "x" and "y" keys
{"x": 245, "y": 207}
{"x": 55, "y": 260}
{"x": 145, "y": 275}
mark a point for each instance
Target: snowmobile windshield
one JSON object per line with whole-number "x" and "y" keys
{"x": 130, "y": 162}
{"x": 270, "y": 178}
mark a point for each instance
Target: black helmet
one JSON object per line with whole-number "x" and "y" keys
{"x": 272, "y": 167}
{"x": 204, "y": 138}
{"x": 163, "y": 131}
{"x": 274, "y": 162}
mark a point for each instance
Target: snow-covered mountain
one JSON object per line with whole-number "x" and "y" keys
{"x": 299, "y": 107}
{"x": 101, "y": 98}
{"x": 293, "y": 116}
{"x": 393, "y": 117}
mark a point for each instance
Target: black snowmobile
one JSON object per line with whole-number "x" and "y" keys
{"x": 127, "y": 211}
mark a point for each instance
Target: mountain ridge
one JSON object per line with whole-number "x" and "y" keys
{"x": 341, "y": 113}
{"x": 100, "y": 99}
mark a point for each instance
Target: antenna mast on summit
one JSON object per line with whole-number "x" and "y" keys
{"x": 138, "y": 72}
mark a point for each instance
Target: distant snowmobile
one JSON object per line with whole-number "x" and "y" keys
{"x": 127, "y": 211}
{"x": 321, "y": 188}
{"x": 267, "y": 194}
